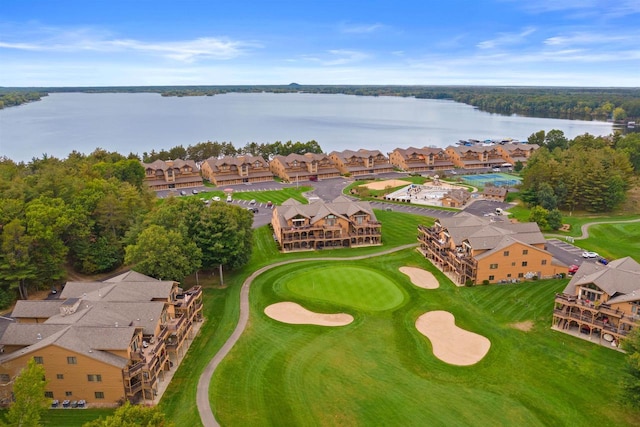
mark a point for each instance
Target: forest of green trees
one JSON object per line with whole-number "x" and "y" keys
{"x": 619, "y": 104}
{"x": 585, "y": 173}
{"x": 91, "y": 213}
{"x": 204, "y": 150}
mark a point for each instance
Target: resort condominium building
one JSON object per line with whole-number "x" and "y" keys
{"x": 472, "y": 250}
{"x": 103, "y": 342}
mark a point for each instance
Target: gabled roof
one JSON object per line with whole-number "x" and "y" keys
{"x": 36, "y": 309}
{"x": 620, "y": 279}
{"x": 341, "y": 207}
{"x": 482, "y": 233}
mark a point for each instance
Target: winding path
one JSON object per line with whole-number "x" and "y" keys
{"x": 585, "y": 228}
{"x": 202, "y": 393}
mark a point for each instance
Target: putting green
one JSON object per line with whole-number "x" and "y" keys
{"x": 355, "y": 287}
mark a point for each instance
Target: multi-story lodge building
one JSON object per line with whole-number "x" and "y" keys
{"x": 103, "y": 342}
{"x": 513, "y": 153}
{"x": 236, "y": 170}
{"x": 415, "y": 160}
{"x": 341, "y": 223}
{"x": 361, "y": 162}
{"x": 601, "y": 301}
{"x": 471, "y": 249}
{"x": 475, "y": 157}
{"x": 307, "y": 167}
{"x": 164, "y": 175}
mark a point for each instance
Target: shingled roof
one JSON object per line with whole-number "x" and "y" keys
{"x": 620, "y": 279}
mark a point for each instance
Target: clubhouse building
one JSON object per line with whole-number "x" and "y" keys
{"x": 342, "y": 223}
{"x": 102, "y": 343}
{"x": 601, "y": 302}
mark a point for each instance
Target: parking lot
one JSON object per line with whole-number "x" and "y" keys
{"x": 567, "y": 252}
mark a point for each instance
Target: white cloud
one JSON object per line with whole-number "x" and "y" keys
{"x": 86, "y": 40}
{"x": 506, "y": 39}
{"x": 338, "y": 57}
{"x": 360, "y": 28}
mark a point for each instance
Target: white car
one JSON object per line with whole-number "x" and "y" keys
{"x": 587, "y": 254}
{"x": 215, "y": 198}
{"x": 252, "y": 202}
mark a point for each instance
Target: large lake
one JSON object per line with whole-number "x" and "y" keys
{"x": 125, "y": 122}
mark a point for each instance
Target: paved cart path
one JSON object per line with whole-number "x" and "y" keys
{"x": 202, "y": 394}
{"x": 585, "y": 228}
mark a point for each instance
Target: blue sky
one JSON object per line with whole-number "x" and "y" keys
{"x": 198, "y": 42}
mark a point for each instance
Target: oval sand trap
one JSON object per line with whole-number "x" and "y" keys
{"x": 290, "y": 312}
{"x": 452, "y": 344}
{"x": 421, "y": 278}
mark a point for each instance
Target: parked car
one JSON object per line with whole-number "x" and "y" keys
{"x": 269, "y": 204}
{"x": 587, "y": 254}
{"x": 254, "y": 210}
{"x": 603, "y": 261}
{"x": 215, "y": 198}
{"x": 194, "y": 191}
{"x": 229, "y": 199}
{"x": 573, "y": 269}
{"x": 183, "y": 193}
{"x": 252, "y": 202}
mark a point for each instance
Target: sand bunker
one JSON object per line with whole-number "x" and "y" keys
{"x": 421, "y": 278}
{"x": 381, "y": 185}
{"x": 290, "y": 312}
{"x": 452, "y": 344}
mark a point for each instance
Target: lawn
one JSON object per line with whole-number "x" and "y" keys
{"x": 626, "y": 238}
{"x": 275, "y": 196}
{"x": 380, "y": 371}
{"x": 344, "y": 286}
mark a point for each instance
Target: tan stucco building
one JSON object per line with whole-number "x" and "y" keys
{"x": 103, "y": 342}
{"x": 473, "y": 249}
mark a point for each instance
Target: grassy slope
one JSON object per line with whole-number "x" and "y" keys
{"x": 380, "y": 371}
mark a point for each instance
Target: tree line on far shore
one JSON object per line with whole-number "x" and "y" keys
{"x": 618, "y": 104}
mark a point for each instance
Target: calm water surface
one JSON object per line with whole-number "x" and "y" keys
{"x": 141, "y": 122}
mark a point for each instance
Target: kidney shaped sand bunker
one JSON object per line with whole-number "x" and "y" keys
{"x": 452, "y": 344}
{"x": 290, "y": 312}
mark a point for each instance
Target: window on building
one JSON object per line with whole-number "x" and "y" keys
{"x": 71, "y": 360}
{"x": 4, "y": 378}
{"x": 99, "y": 394}
{"x": 524, "y": 263}
{"x": 330, "y": 220}
{"x": 513, "y": 264}
{"x": 39, "y": 360}
{"x": 491, "y": 277}
{"x": 506, "y": 253}
{"x": 520, "y": 274}
{"x": 94, "y": 378}
{"x": 48, "y": 394}
{"x": 509, "y": 275}
{"x": 59, "y": 376}
{"x": 525, "y": 251}
{"x": 544, "y": 262}
{"x": 68, "y": 393}
{"x": 493, "y": 266}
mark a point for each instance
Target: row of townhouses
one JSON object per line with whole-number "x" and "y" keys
{"x": 162, "y": 175}
{"x": 102, "y": 343}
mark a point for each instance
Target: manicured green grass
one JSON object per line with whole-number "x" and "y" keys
{"x": 275, "y": 196}
{"x": 614, "y": 240}
{"x": 344, "y": 286}
{"x": 380, "y": 371}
